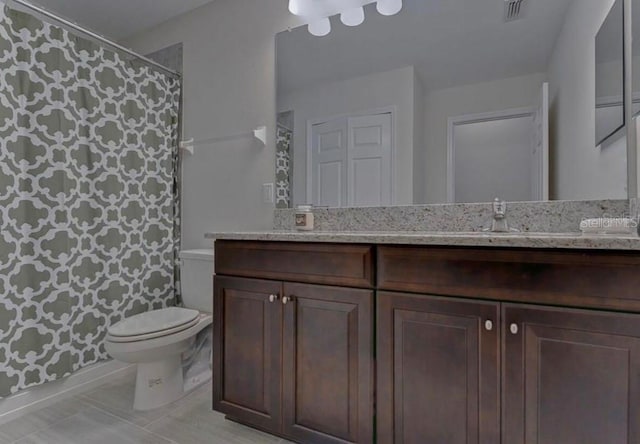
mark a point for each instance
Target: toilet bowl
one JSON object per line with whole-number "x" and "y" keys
{"x": 155, "y": 340}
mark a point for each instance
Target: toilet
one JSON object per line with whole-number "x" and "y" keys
{"x": 155, "y": 340}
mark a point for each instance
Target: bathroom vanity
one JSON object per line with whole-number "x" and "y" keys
{"x": 362, "y": 338}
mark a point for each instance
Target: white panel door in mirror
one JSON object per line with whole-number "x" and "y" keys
{"x": 351, "y": 161}
{"x": 369, "y": 161}
{"x": 328, "y": 163}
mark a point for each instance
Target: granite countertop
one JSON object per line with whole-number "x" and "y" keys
{"x": 465, "y": 239}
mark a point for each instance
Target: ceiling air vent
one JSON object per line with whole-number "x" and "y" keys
{"x": 513, "y": 10}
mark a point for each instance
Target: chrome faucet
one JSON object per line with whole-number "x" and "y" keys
{"x": 499, "y": 223}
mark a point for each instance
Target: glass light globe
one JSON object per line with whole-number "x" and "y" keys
{"x": 294, "y": 7}
{"x": 389, "y": 7}
{"x": 320, "y": 27}
{"x": 352, "y": 17}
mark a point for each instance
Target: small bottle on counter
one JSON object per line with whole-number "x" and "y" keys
{"x": 304, "y": 217}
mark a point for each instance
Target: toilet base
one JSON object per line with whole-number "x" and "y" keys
{"x": 158, "y": 383}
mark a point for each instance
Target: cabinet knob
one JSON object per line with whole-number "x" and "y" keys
{"x": 488, "y": 325}
{"x": 514, "y": 329}
{"x": 286, "y": 300}
{"x": 273, "y": 298}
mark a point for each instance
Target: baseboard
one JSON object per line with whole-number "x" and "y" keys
{"x": 38, "y": 397}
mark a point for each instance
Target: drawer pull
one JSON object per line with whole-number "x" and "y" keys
{"x": 286, "y": 300}
{"x": 514, "y": 329}
{"x": 488, "y": 325}
{"x": 273, "y": 298}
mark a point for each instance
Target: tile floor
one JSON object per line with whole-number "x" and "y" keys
{"x": 105, "y": 416}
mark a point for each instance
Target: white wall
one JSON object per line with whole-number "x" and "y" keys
{"x": 419, "y": 148}
{"x": 497, "y": 95}
{"x": 392, "y": 88}
{"x": 229, "y": 75}
{"x": 579, "y": 170}
{"x": 610, "y": 78}
{"x": 494, "y": 159}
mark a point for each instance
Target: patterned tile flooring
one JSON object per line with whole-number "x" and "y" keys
{"x": 105, "y": 415}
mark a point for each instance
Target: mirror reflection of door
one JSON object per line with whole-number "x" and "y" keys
{"x": 351, "y": 161}
{"x": 502, "y": 154}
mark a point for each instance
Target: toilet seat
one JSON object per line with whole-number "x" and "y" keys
{"x": 156, "y": 334}
{"x": 153, "y": 324}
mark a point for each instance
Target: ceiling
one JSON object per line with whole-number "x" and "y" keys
{"x": 119, "y": 19}
{"x": 450, "y": 43}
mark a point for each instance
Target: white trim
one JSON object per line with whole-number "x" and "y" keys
{"x": 613, "y": 102}
{"x": 44, "y": 395}
{"x": 393, "y": 110}
{"x": 308, "y": 153}
{"x": 452, "y": 122}
{"x": 609, "y": 101}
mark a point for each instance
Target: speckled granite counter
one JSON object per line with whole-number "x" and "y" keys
{"x": 468, "y": 239}
{"x": 534, "y": 217}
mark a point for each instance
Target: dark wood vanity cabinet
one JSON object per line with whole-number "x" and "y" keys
{"x": 247, "y": 364}
{"x": 562, "y": 375}
{"x": 328, "y": 364}
{"x": 474, "y": 346}
{"x": 296, "y": 359}
{"x": 542, "y": 375}
{"x": 438, "y": 370}
{"x": 570, "y": 376}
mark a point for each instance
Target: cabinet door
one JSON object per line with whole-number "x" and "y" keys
{"x": 437, "y": 370}
{"x": 570, "y": 376}
{"x": 328, "y": 364}
{"x": 247, "y": 350}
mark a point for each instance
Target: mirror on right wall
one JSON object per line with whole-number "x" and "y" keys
{"x": 610, "y": 77}
{"x": 455, "y": 101}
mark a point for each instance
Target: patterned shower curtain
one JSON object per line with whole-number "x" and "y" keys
{"x": 88, "y": 159}
{"x": 284, "y": 137}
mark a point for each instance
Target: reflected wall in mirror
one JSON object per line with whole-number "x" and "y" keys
{"x": 446, "y": 102}
{"x": 610, "y": 113}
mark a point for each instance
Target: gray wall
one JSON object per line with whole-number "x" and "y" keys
{"x": 579, "y": 169}
{"x": 229, "y": 75}
{"x": 171, "y": 57}
{"x": 419, "y": 148}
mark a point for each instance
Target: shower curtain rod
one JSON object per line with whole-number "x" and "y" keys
{"x": 93, "y": 35}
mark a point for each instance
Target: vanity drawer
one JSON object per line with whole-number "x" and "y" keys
{"x": 329, "y": 264}
{"x": 598, "y": 279}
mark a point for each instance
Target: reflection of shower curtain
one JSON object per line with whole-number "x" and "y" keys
{"x": 87, "y": 163}
{"x": 283, "y": 167}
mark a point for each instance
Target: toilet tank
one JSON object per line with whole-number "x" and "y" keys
{"x": 196, "y": 279}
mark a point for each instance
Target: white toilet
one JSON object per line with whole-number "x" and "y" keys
{"x": 155, "y": 340}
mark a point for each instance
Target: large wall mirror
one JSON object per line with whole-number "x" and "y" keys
{"x": 447, "y": 101}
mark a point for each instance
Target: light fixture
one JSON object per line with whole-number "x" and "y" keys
{"x": 320, "y": 27}
{"x": 317, "y": 12}
{"x": 353, "y": 17}
{"x": 389, "y": 7}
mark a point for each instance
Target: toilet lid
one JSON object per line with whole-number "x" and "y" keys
{"x": 157, "y": 334}
{"x": 155, "y": 321}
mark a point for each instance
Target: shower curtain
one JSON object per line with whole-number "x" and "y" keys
{"x": 88, "y": 234}
{"x": 283, "y": 166}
